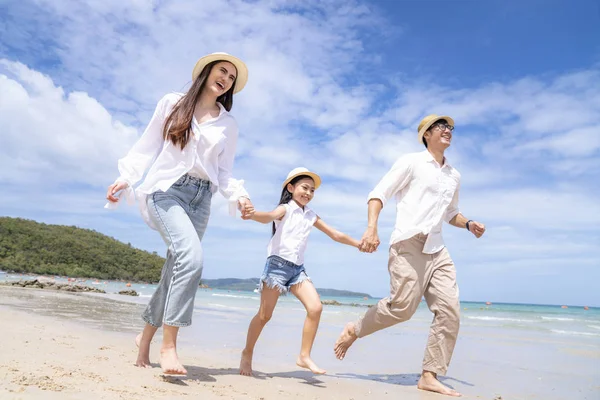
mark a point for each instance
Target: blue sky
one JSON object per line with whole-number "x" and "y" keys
{"x": 338, "y": 88}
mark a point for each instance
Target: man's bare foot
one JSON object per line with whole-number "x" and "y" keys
{"x": 246, "y": 363}
{"x": 345, "y": 340}
{"x": 170, "y": 362}
{"x": 429, "y": 382}
{"x": 143, "y": 358}
{"x": 308, "y": 363}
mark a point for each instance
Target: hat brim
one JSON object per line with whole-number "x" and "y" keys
{"x": 316, "y": 178}
{"x": 240, "y": 66}
{"x": 433, "y": 121}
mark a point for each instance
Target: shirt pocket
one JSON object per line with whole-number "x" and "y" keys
{"x": 448, "y": 186}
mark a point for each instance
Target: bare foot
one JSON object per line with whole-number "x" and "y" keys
{"x": 345, "y": 340}
{"x": 429, "y": 382}
{"x": 143, "y": 358}
{"x": 246, "y": 363}
{"x": 170, "y": 362}
{"x": 308, "y": 363}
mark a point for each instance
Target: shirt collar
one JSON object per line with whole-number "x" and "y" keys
{"x": 294, "y": 206}
{"x": 222, "y": 113}
{"x": 429, "y": 158}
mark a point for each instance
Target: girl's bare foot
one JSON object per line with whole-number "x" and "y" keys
{"x": 429, "y": 382}
{"x": 170, "y": 362}
{"x": 345, "y": 340}
{"x": 308, "y": 363}
{"x": 143, "y": 358}
{"x": 246, "y": 363}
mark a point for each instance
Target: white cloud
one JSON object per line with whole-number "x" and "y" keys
{"x": 527, "y": 149}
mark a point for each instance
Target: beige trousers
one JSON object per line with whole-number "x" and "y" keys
{"x": 413, "y": 275}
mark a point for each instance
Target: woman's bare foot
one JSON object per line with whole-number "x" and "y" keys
{"x": 246, "y": 363}
{"x": 429, "y": 382}
{"x": 143, "y": 358}
{"x": 345, "y": 340}
{"x": 308, "y": 363}
{"x": 170, "y": 362}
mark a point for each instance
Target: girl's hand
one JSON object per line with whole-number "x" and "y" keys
{"x": 114, "y": 188}
{"x": 246, "y": 208}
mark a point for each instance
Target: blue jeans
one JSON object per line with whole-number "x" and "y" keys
{"x": 282, "y": 274}
{"x": 181, "y": 215}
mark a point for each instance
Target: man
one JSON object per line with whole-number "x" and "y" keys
{"x": 426, "y": 189}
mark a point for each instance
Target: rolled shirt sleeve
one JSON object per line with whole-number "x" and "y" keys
{"x": 452, "y": 210}
{"x": 393, "y": 181}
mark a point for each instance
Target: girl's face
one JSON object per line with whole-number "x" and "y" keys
{"x": 221, "y": 78}
{"x": 303, "y": 191}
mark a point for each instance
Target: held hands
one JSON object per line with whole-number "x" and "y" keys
{"x": 370, "y": 241}
{"x": 476, "y": 228}
{"x": 246, "y": 208}
{"x": 114, "y": 188}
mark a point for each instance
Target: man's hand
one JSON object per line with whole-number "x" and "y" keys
{"x": 370, "y": 241}
{"x": 476, "y": 228}
{"x": 246, "y": 208}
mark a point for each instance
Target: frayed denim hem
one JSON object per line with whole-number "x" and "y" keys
{"x": 300, "y": 281}
{"x": 272, "y": 283}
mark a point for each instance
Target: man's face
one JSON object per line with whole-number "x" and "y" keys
{"x": 439, "y": 135}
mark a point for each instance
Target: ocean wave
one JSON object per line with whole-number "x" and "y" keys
{"x": 594, "y": 327}
{"x": 558, "y": 319}
{"x": 482, "y": 318}
{"x": 574, "y": 333}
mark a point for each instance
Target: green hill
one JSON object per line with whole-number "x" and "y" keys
{"x": 32, "y": 247}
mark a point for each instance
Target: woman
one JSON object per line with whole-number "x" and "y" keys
{"x": 189, "y": 147}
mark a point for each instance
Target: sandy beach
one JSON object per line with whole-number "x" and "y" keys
{"x": 58, "y": 345}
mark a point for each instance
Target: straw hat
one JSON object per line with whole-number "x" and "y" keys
{"x": 302, "y": 171}
{"x": 430, "y": 120}
{"x": 242, "y": 70}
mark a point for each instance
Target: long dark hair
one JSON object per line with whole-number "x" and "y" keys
{"x": 178, "y": 125}
{"x": 286, "y": 196}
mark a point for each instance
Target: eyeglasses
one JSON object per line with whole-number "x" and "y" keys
{"x": 441, "y": 126}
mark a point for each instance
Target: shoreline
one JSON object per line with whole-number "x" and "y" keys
{"x": 371, "y": 299}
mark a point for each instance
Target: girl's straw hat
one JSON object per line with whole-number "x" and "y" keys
{"x": 430, "y": 120}
{"x": 242, "y": 70}
{"x": 302, "y": 171}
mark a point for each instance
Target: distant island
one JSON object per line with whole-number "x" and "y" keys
{"x": 32, "y": 247}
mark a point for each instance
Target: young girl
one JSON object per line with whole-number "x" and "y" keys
{"x": 284, "y": 270}
{"x": 186, "y": 154}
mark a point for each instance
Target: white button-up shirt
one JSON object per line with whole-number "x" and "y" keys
{"x": 426, "y": 195}
{"x": 291, "y": 234}
{"x": 209, "y": 154}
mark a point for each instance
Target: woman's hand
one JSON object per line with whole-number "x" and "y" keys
{"x": 114, "y": 188}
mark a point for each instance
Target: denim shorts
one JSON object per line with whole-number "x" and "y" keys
{"x": 282, "y": 274}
